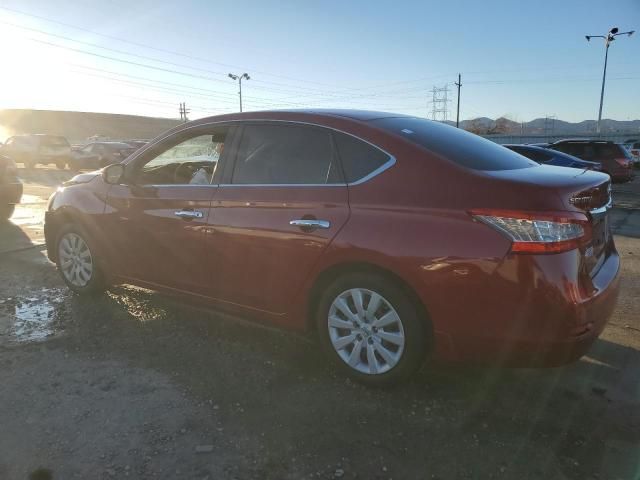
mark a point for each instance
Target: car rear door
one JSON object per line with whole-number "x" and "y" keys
{"x": 157, "y": 219}
{"x": 280, "y": 204}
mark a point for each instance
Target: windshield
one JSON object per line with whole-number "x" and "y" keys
{"x": 463, "y": 148}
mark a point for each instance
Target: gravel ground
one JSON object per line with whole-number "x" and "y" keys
{"x": 131, "y": 385}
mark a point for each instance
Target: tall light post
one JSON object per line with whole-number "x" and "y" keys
{"x": 608, "y": 38}
{"x": 239, "y": 78}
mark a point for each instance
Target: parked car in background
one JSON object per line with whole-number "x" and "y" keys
{"x": 137, "y": 143}
{"x": 363, "y": 226}
{"x": 34, "y": 149}
{"x": 10, "y": 187}
{"x": 616, "y": 161}
{"x": 634, "y": 149}
{"x": 553, "y": 157}
{"x": 99, "y": 154}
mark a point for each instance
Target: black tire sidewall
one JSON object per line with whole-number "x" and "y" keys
{"x": 416, "y": 328}
{"x": 96, "y": 282}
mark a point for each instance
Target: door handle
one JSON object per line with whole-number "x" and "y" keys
{"x": 310, "y": 224}
{"x": 187, "y": 214}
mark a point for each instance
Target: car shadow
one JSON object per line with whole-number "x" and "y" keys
{"x": 12, "y": 238}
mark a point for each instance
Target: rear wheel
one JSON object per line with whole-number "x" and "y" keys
{"x": 76, "y": 261}
{"x": 371, "y": 329}
{"x": 61, "y": 165}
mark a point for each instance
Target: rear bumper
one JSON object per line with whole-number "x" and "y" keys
{"x": 552, "y": 317}
{"x": 10, "y": 193}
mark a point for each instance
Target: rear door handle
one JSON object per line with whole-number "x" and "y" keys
{"x": 188, "y": 214}
{"x": 310, "y": 224}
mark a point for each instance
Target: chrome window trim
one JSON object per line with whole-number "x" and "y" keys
{"x": 385, "y": 166}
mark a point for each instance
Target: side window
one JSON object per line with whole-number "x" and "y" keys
{"x": 285, "y": 154}
{"x": 191, "y": 162}
{"x": 588, "y": 152}
{"x": 359, "y": 158}
{"x": 575, "y": 149}
{"x": 607, "y": 151}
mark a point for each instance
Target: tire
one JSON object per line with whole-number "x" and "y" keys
{"x": 84, "y": 275}
{"x": 6, "y": 211}
{"x": 61, "y": 165}
{"x": 406, "y": 340}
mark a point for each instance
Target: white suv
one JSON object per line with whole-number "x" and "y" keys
{"x": 31, "y": 150}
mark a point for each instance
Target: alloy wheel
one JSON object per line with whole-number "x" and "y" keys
{"x": 75, "y": 259}
{"x": 366, "y": 331}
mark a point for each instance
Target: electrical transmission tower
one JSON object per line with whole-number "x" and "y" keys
{"x": 440, "y": 103}
{"x": 183, "y": 112}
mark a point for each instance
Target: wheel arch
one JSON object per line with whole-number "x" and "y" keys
{"x": 332, "y": 272}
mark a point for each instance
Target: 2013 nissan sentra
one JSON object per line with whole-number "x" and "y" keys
{"x": 394, "y": 238}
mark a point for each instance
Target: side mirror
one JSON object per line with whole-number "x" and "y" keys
{"x": 113, "y": 174}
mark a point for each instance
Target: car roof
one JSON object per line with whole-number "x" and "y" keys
{"x": 525, "y": 145}
{"x": 581, "y": 140}
{"x": 302, "y": 114}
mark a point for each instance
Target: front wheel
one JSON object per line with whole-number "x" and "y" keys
{"x": 76, "y": 261}
{"x": 371, "y": 329}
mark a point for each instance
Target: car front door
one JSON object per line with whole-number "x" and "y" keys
{"x": 158, "y": 216}
{"x": 279, "y": 206}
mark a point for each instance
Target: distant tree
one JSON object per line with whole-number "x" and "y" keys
{"x": 475, "y": 126}
{"x": 500, "y": 126}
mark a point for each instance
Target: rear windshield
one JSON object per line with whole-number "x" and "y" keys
{"x": 456, "y": 145}
{"x": 612, "y": 150}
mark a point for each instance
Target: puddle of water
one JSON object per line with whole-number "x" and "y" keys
{"x": 138, "y": 302}
{"x": 30, "y": 319}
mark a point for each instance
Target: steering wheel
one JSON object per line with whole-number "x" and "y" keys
{"x": 183, "y": 173}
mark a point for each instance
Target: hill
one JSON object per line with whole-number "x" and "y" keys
{"x": 547, "y": 126}
{"x": 77, "y": 126}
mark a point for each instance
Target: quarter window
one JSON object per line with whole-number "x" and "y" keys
{"x": 359, "y": 159}
{"x": 279, "y": 154}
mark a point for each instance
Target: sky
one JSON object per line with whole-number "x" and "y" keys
{"x": 520, "y": 59}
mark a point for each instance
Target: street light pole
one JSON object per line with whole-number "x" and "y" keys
{"x": 608, "y": 38}
{"x": 239, "y": 78}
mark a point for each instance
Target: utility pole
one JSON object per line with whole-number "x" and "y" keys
{"x": 239, "y": 78}
{"x": 459, "y": 85}
{"x": 608, "y": 38}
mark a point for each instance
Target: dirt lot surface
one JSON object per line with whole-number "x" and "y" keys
{"x": 131, "y": 385}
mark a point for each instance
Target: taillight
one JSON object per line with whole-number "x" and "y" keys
{"x": 538, "y": 233}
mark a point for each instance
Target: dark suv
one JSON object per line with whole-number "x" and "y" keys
{"x": 614, "y": 158}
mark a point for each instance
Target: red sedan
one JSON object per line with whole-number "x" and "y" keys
{"x": 392, "y": 237}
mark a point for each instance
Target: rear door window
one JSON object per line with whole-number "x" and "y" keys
{"x": 285, "y": 155}
{"x": 454, "y": 144}
{"x": 359, "y": 159}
